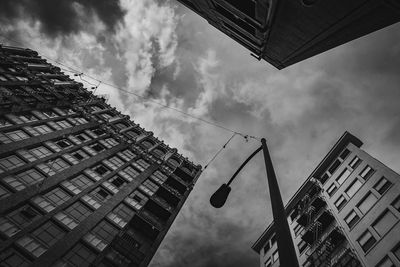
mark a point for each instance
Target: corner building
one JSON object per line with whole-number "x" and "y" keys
{"x": 346, "y": 214}
{"x": 284, "y": 32}
{"x": 80, "y": 183}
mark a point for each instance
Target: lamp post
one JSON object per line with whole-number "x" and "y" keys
{"x": 287, "y": 254}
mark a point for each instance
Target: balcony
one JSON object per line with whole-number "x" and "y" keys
{"x": 184, "y": 175}
{"x": 172, "y": 190}
{"x": 345, "y": 258}
{"x": 162, "y": 202}
{"x": 151, "y": 218}
{"x": 310, "y": 212}
{"x": 168, "y": 196}
{"x": 129, "y": 247}
{"x": 144, "y": 226}
{"x": 317, "y": 229}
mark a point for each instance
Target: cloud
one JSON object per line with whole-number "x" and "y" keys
{"x": 63, "y": 16}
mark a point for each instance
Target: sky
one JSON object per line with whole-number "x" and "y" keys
{"x": 166, "y": 53}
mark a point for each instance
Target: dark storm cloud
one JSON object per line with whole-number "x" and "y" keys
{"x": 61, "y": 16}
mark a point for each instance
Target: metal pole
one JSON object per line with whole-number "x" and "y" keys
{"x": 287, "y": 254}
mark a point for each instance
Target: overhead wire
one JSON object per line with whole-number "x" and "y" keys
{"x": 80, "y": 74}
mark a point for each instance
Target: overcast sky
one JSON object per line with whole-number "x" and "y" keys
{"x": 165, "y": 52}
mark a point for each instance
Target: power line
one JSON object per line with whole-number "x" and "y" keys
{"x": 80, "y": 74}
{"x": 219, "y": 151}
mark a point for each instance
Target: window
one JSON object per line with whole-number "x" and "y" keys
{"x": 57, "y": 196}
{"x": 40, "y": 152}
{"x": 101, "y": 194}
{"x": 173, "y": 162}
{"x": 78, "y": 211}
{"x": 63, "y": 143}
{"x": 79, "y": 155}
{"x": 31, "y": 245}
{"x": 275, "y": 256}
{"x": 11, "y": 162}
{"x": 367, "y": 202}
{"x": 297, "y": 229}
{"x": 24, "y": 215}
{"x": 106, "y": 231}
{"x": 344, "y": 154}
{"x": 3, "y": 192}
{"x": 82, "y": 137}
{"x": 124, "y": 212}
{"x": 396, "y": 251}
{"x": 147, "y": 144}
{"x": 354, "y": 162}
{"x": 366, "y": 172}
{"x": 302, "y": 246}
{"x": 30, "y": 176}
{"x": 116, "y": 161}
{"x": 27, "y": 117}
{"x": 101, "y": 170}
{"x": 331, "y": 190}
{"x": 4, "y": 122}
{"x": 17, "y": 135}
{"x": 141, "y": 164}
{"x": 117, "y": 181}
{"x": 340, "y": 202}
{"x": 267, "y": 247}
{"x": 131, "y": 172}
{"x": 97, "y": 147}
{"x": 386, "y": 262}
{"x": 351, "y": 219}
{"x": 268, "y": 263}
{"x": 334, "y": 166}
{"x": 158, "y": 152}
{"x": 382, "y": 185}
{"x": 48, "y": 234}
{"x": 12, "y": 258}
{"x": 98, "y": 131}
{"x": 80, "y": 256}
{"x": 81, "y": 182}
{"x": 159, "y": 177}
{"x": 58, "y": 165}
{"x": 127, "y": 155}
{"x": 396, "y": 203}
{"x": 353, "y": 188}
{"x": 64, "y": 124}
{"x": 343, "y": 176}
{"x": 366, "y": 241}
{"x": 385, "y": 222}
{"x": 50, "y": 114}
{"x": 132, "y": 134}
{"x": 43, "y": 129}
{"x": 149, "y": 187}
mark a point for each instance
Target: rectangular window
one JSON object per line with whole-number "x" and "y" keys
{"x": 27, "y": 117}
{"x": 129, "y": 173}
{"x": 24, "y": 215}
{"x": 343, "y": 176}
{"x": 275, "y": 256}
{"x": 340, "y": 202}
{"x": 334, "y": 166}
{"x": 353, "y": 188}
{"x": 4, "y": 122}
{"x": 80, "y": 255}
{"x": 367, "y": 202}
{"x": 48, "y": 234}
{"x": 302, "y": 245}
{"x": 30, "y": 177}
{"x": 385, "y": 222}
{"x": 64, "y": 143}
{"x": 82, "y": 137}
{"x": 57, "y": 196}
{"x": 81, "y": 181}
{"x": 267, "y": 247}
{"x": 97, "y": 147}
{"x": 124, "y": 212}
{"x": 366, "y": 172}
{"x": 100, "y": 194}
{"x": 42, "y": 129}
{"x": 141, "y": 164}
{"x": 11, "y": 162}
{"x": 366, "y": 241}
{"x": 64, "y": 124}
{"x": 17, "y": 135}
{"x": 127, "y": 155}
{"x": 12, "y": 258}
{"x": 351, "y": 219}
{"x": 382, "y": 185}
{"x": 50, "y": 114}
{"x": 396, "y": 251}
{"x": 117, "y": 181}
{"x": 58, "y": 165}
{"x": 40, "y": 152}
{"x": 385, "y": 262}
{"x": 3, "y": 192}
{"x": 396, "y": 203}
{"x": 331, "y": 190}
{"x": 159, "y": 177}
{"x": 355, "y": 162}
{"x": 78, "y": 211}
{"x": 105, "y": 231}
{"x": 116, "y": 161}
{"x": 101, "y": 170}
{"x": 268, "y": 263}
{"x": 31, "y": 245}
{"x": 297, "y": 229}
{"x": 149, "y": 187}
{"x": 344, "y": 154}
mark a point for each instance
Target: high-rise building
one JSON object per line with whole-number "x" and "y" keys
{"x": 284, "y": 32}
{"x": 80, "y": 183}
{"x": 346, "y": 213}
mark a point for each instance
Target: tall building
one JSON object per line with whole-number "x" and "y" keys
{"x": 346, "y": 213}
{"x": 284, "y": 32}
{"x": 80, "y": 183}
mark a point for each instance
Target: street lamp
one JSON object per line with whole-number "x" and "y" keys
{"x": 287, "y": 254}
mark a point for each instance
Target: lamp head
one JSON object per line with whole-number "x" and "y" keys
{"x": 218, "y": 199}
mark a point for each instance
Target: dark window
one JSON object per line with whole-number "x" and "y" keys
{"x": 80, "y": 256}
{"x": 78, "y": 211}
{"x": 98, "y": 147}
{"x": 248, "y": 7}
{"x": 344, "y": 154}
{"x": 11, "y": 258}
{"x": 24, "y": 215}
{"x": 366, "y": 241}
{"x": 106, "y": 231}
{"x": 57, "y": 196}
{"x": 82, "y": 181}
{"x": 98, "y": 131}
{"x": 101, "y": 194}
{"x": 63, "y": 143}
{"x": 382, "y": 185}
{"x": 334, "y": 166}
{"x": 236, "y": 20}
{"x": 267, "y": 247}
{"x": 124, "y": 212}
{"x": 118, "y": 181}
{"x": 49, "y": 233}
{"x": 78, "y": 156}
{"x": 351, "y": 218}
{"x": 101, "y": 170}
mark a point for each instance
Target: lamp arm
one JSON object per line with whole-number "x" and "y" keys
{"x": 243, "y": 164}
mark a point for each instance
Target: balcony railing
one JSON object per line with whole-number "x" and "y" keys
{"x": 163, "y": 203}
{"x": 172, "y": 190}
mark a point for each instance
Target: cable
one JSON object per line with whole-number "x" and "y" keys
{"x": 219, "y": 151}
{"x": 80, "y": 74}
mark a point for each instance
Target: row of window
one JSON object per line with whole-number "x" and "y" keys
{"x": 379, "y": 228}
{"x": 387, "y": 261}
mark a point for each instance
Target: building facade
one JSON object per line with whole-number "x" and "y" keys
{"x": 346, "y": 213}
{"x": 284, "y": 32}
{"x": 80, "y": 183}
